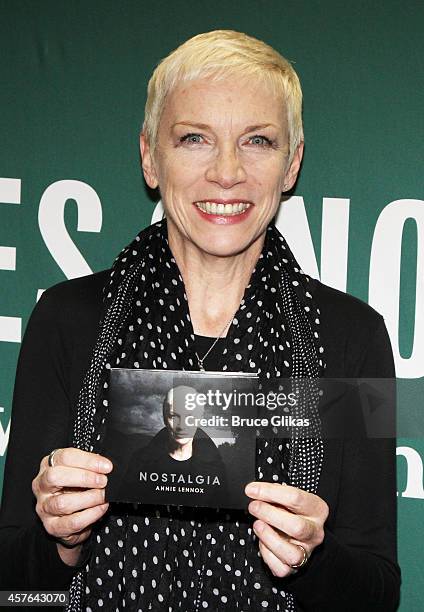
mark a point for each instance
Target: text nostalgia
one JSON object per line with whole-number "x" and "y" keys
{"x": 178, "y": 482}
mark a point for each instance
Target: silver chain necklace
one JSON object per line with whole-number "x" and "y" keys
{"x": 201, "y": 360}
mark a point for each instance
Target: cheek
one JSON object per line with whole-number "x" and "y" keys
{"x": 270, "y": 193}
{"x": 176, "y": 175}
{"x": 268, "y": 178}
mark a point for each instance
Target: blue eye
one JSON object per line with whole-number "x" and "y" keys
{"x": 191, "y": 138}
{"x": 261, "y": 141}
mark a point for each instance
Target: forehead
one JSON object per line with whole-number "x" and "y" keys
{"x": 176, "y": 398}
{"x": 169, "y": 408}
{"x": 236, "y": 100}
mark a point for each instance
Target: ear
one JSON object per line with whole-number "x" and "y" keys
{"x": 147, "y": 162}
{"x": 293, "y": 171}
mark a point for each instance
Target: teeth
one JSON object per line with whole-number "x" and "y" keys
{"x": 212, "y": 208}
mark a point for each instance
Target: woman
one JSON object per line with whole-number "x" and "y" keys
{"x": 213, "y": 287}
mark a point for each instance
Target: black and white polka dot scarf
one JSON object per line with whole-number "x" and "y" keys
{"x": 170, "y": 558}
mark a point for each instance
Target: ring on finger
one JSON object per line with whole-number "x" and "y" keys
{"x": 303, "y": 560}
{"x": 50, "y": 460}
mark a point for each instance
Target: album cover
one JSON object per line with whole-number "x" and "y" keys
{"x": 171, "y": 438}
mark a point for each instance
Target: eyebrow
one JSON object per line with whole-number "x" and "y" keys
{"x": 205, "y": 126}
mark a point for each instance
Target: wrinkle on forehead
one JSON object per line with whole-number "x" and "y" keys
{"x": 224, "y": 104}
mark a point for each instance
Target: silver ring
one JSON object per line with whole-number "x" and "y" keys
{"x": 51, "y": 457}
{"x": 304, "y": 560}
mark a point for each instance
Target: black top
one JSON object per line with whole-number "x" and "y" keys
{"x": 211, "y": 363}
{"x": 155, "y": 457}
{"x": 355, "y": 567}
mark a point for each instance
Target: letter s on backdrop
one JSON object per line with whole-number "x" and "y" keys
{"x": 51, "y": 220}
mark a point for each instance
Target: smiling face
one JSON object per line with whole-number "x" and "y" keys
{"x": 220, "y": 164}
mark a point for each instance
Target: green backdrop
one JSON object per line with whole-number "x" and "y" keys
{"x": 73, "y": 78}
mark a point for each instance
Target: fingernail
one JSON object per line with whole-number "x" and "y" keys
{"x": 258, "y": 527}
{"x": 254, "y": 506}
{"x": 101, "y": 479}
{"x": 106, "y": 466}
{"x": 251, "y": 489}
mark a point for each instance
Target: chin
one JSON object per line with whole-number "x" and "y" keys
{"x": 224, "y": 246}
{"x": 216, "y": 240}
{"x": 183, "y": 441}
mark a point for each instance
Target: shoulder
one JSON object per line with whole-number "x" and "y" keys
{"x": 63, "y": 327}
{"x": 351, "y": 331}
{"x": 79, "y": 293}
{"x": 343, "y": 309}
{"x": 72, "y": 303}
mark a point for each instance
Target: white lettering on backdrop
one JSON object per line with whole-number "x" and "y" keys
{"x": 414, "y": 481}
{"x": 51, "y": 219}
{"x": 384, "y": 279}
{"x": 4, "y": 436}
{"x": 10, "y": 193}
{"x": 292, "y": 221}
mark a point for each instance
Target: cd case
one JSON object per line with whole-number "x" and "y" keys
{"x": 170, "y": 437}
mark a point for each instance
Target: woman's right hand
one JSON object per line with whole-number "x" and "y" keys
{"x": 71, "y": 494}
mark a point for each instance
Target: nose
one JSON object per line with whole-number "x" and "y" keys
{"x": 226, "y": 168}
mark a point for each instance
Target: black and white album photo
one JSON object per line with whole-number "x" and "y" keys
{"x": 171, "y": 439}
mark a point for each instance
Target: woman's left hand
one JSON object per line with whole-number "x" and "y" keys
{"x": 287, "y": 517}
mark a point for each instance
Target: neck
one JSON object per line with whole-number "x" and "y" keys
{"x": 214, "y": 285}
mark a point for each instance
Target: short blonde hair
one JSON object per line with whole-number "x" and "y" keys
{"x": 217, "y": 55}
